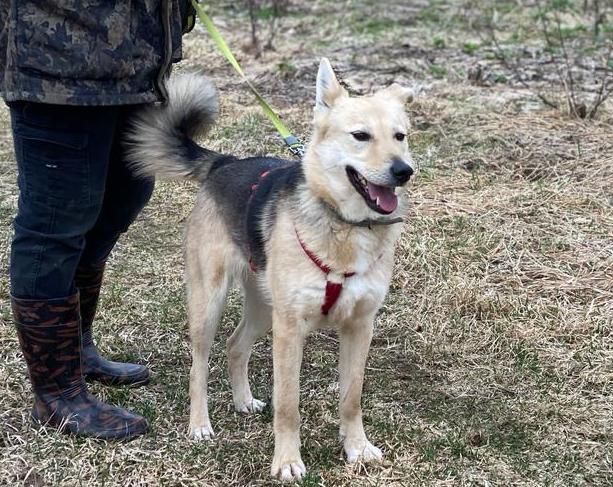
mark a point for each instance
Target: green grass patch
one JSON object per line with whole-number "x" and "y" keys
{"x": 373, "y": 27}
{"x": 470, "y": 48}
{"x": 438, "y": 71}
{"x": 439, "y": 42}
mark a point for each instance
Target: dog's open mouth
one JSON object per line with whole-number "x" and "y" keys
{"x": 382, "y": 199}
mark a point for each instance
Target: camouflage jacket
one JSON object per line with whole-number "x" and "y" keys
{"x": 87, "y": 52}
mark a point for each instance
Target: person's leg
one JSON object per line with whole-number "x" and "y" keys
{"x": 124, "y": 198}
{"x": 62, "y": 160}
{"x": 62, "y": 157}
{"x": 126, "y": 195}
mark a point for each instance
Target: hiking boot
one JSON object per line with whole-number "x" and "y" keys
{"x": 49, "y": 334}
{"x": 88, "y": 280}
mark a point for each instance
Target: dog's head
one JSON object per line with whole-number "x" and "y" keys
{"x": 358, "y": 159}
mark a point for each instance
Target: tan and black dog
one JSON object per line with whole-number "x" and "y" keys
{"x": 311, "y": 243}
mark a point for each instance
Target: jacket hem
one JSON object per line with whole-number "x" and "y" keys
{"x": 80, "y": 100}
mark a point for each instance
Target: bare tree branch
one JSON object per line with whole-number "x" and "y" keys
{"x": 570, "y": 80}
{"x": 604, "y": 92}
{"x": 253, "y": 5}
{"x": 501, "y": 55}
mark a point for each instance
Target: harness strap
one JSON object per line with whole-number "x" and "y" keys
{"x": 333, "y": 289}
{"x": 333, "y": 292}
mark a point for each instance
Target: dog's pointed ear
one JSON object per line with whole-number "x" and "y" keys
{"x": 328, "y": 90}
{"x": 403, "y": 94}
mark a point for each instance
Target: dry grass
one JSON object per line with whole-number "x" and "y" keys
{"x": 492, "y": 362}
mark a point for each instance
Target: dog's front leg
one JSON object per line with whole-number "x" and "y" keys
{"x": 354, "y": 344}
{"x": 287, "y": 345}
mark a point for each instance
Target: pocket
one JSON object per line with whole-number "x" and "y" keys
{"x": 53, "y": 166}
{"x": 89, "y": 42}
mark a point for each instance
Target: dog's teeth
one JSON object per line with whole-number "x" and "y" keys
{"x": 377, "y": 202}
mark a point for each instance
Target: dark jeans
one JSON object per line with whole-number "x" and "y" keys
{"x": 76, "y": 193}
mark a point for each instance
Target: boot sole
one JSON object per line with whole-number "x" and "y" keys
{"x": 113, "y": 382}
{"x": 117, "y": 435}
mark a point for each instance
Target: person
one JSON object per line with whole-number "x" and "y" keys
{"x": 72, "y": 73}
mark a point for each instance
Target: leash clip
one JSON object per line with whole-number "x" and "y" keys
{"x": 296, "y": 147}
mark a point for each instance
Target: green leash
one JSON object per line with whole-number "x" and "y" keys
{"x": 293, "y": 143}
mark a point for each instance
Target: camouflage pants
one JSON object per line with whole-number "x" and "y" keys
{"x": 76, "y": 195}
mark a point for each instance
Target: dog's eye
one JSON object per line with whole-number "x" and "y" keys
{"x": 361, "y": 136}
{"x": 399, "y": 136}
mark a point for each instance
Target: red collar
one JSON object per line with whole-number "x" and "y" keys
{"x": 333, "y": 289}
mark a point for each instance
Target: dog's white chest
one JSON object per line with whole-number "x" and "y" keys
{"x": 360, "y": 295}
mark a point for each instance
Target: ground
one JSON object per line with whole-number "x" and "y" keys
{"x": 492, "y": 361}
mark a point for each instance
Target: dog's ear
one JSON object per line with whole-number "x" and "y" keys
{"x": 403, "y": 94}
{"x": 329, "y": 90}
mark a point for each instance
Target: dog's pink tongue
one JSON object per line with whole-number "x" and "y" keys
{"x": 388, "y": 201}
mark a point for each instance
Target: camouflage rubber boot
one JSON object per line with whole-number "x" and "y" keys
{"x": 96, "y": 367}
{"x": 49, "y": 334}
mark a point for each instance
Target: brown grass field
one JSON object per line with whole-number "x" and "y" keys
{"x": 492, "y": 361}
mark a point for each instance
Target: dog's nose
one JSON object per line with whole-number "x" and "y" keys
{"x": 401, "y": 171}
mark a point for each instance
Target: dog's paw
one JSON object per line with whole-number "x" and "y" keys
{"x": 250, "y": 406}
{"x": 362, "y": 450}
{"x": 288, "y": 469}
{"x": 201, "y": 433}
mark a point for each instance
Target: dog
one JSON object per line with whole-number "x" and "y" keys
{"x": 311, "y": 243}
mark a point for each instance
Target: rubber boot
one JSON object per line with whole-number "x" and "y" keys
{"x": 95, "y": 367}
{"x": 50, "y": 335}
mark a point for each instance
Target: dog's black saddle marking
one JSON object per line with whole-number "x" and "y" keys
{"x": 249, "y": 213}
{"x": 268, "y": 188}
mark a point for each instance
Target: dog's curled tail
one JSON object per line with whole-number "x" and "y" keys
{"x": 160, "y": 140}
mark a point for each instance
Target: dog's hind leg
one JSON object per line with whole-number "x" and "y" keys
{"x": 255, "y": 323}
{"x": 354, "y": 344}
{"x": 208, "y": 280}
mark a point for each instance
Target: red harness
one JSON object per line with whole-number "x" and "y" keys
{"x": 333, "y": 289}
